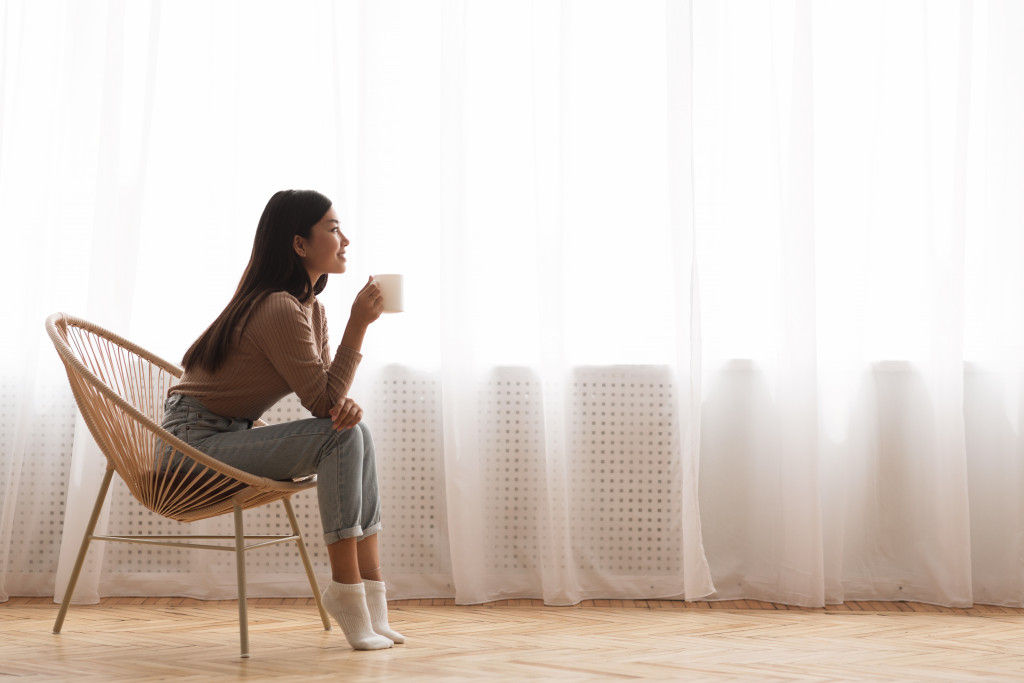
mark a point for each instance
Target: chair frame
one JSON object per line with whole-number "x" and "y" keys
{"x": 194, "y": 505}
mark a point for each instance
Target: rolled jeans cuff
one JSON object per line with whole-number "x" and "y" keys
{"x": 356, "y": 532}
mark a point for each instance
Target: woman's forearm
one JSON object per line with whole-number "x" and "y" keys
{"x": 354, "y": 334}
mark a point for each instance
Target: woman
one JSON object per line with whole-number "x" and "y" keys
{"x": 269, "y": 341}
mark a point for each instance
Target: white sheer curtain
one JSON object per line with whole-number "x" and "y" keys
{"x": 859, "y": 253}
{"x": 779, "y": 243}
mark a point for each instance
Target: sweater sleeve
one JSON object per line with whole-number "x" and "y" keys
{"x": 325, "y": 346}
{"x": 283, "y": 330}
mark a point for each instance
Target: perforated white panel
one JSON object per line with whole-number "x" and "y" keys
{"x": 626, "y": 494}
{"x": 512, "y": 447}
{"x": 41, "y": 478}
{"x": 404, "y": 416}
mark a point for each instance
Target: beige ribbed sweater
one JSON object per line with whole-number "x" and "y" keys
{"x": 283, "y": 349}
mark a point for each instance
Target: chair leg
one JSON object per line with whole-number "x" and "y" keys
{"x": 307, "y": 564}
{"x": 80, "y": 560}
{"x": 243, "y": 615}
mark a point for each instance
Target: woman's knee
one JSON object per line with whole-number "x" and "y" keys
{"x": 349, "y": 446}
{"x": 350, "y": 438}
{"x": 365, "y": 433}
{"x": 339, "y": 442}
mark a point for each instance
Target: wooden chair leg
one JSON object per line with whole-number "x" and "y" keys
{"x": 80, "y": 560}
{"x": 307, "y": 564}
{"x": 243, "y": 615}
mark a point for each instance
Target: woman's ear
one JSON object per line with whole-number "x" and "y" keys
{"x": 299, "y": 245}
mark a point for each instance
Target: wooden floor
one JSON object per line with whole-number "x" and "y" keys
{"x": 151, "y": 639}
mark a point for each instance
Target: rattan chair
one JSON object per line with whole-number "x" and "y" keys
{"x": 120, "y": 389}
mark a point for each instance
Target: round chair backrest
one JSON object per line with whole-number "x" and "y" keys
{"x": 120, "y": 389}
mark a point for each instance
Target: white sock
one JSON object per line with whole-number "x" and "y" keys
{"x": 346, "y": 602}
{"x": 377, "y": 602}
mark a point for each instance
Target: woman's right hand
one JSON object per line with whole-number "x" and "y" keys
{"x": 369, "y": 303}
{"x": 346, "y": 414}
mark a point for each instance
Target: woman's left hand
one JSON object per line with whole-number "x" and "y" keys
{"x": 346, "y": 414}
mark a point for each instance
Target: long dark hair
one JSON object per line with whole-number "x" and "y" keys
{"x": 273, "y": 267}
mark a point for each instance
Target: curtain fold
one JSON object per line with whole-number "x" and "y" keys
{"x": 705, "y": 299}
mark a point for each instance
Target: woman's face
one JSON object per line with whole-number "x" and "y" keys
{"x": 324, "y": 250}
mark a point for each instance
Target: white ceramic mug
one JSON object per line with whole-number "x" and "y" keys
{"x": 391, "y": 289}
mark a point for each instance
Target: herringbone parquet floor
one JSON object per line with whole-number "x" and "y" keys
{"x": 156, "y": 639}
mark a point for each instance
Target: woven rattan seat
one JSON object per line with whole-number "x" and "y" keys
{"x": 120, "y": 388}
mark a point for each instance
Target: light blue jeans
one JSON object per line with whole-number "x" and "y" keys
{"x": 344, "y": 462}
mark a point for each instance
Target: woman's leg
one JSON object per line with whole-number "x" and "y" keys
{"x": 349, "y": 507}
{"x": 376, "y": 591}
{"x": 369, "y": 559}
{"x": 344, "y": 563}
{"x": 344, "y": 463}
{"x": 367, "y": 555}
{"x": 353, "y": 562}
